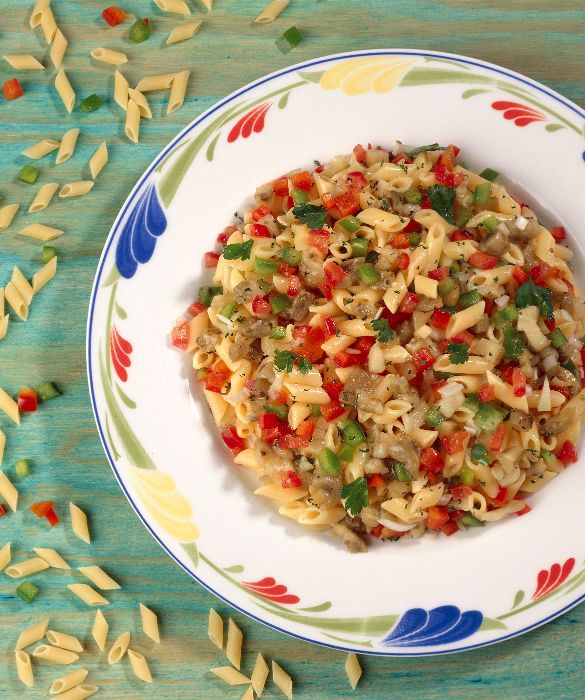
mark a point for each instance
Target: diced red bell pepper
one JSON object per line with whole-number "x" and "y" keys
{"x": 463, "y": 337}
{"x": 454, "y": 442}
{"x": 222, "y": 238}
{"x": 332, "y": 410}
{"x": 356, "y": 182}
{"x": 281, "y": 398}
{"x": 450, "y": 528}
{"x": 287, "y": 270}
{"x": 519, "y": 275}
{"x": 268, "y": 420}
{"x": 435, "y": 386}
{"x": 217, "y": 377}
{"x": 487, "y": 393}
{"x": 306, "y": 429}
{"x": 260, "y": 231}
{"x": 422, "y": 359}
{"x": 558, "y": 233}
{"x": 333, "y": 390}
{"x": 394, "y": 320}
{"x": 260, "y": 212}
{"x": 319, "y": 239}
{"x": 409, "y": 303}
{"x": 426, "y": 203}
{"x": 345, "y": 359}
{"x": 524, "y": 510}
{"x": 402, "y": 261}
{"x": 27, "y": 400}
{"x": 412, "y": 227}
{"x": 346, "y": 204}
{"x": 377, "y": 531}
{"x": 364, "y": 344}
{"x": 461, "y": 236}
{"x": 210, "y": 259}
{"x": 443, "y": 176}
{"x": 12, "y": 89}
{"x": 439, "y": 274}
{"x": 518, "y": 382}
{"x": 483, "y": 261}
{"x": 233, "y": 440}
{"x": 294, "y": 286}
{"x": 311, "y": 346}
{"x": 52, "y": 517}
{"x": 448, "y": 157}
{"x": 114, "y": 15}
{"x": 567, "y": 453}
{"x": 440, "y": 319}
{"x": 2, "y": 510}
{"x": 260, "y": 306}
{"x": 459, "y": 491}
{"x": 400, "y": 241}
{"x": 301, "y": 331}
{"x": 329, "y": 325}
{"x": 501, "y": 497}
{"x": 456, "y": 514}
{"x": 489, "y": 306}
{"x": 334, "y": 274}
{"x": 290, "y": 479}
{"x": 180, "y": 334}
{"x": 539, "y": 273}
{"x": 431, "y": 461}
{"x": 302, "y": 181}
{"x": 375, "y": 480}
{"x": 328, "y": 201}
{"x": 550, "y": 323}
{"x": 196, "y": 308}
{"x": 564, "y": 390}
{"x": 497, "y": 438}
{"x": 40, "y": 508}
{"x": 280, "y": 187}
{"x": 437, "y": 517}
{"x": 360, "y": 153}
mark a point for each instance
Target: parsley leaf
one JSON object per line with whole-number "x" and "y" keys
{"x": 479, "y": 453}
{"x": 385, "y": 333}
{"x": 233, "y": 251}
{"x": 442, "y": 199}
{"x": 459, "y": 353}
{"x": 284, "y": 361}
{"x": 530, "y": 294}
{"x": 421, "y": 149}
{"x": 355, "y": 495}
{"x": 310, "y": 214}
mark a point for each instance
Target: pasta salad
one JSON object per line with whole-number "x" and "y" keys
{"x": 392, "y": 343}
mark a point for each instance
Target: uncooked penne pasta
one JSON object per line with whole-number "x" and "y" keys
{"x": 121, "y": 90}
{"x": 54, "y": 655}
{"x": 156, "y": 82}
{"x": 23, "y": 62}
{"x": 5, "y": 556}
{"x": 24, "y": 668}
{"x": 76, "y": 189}
{"x": 233, "y": 649}
{"x": 139, "y": 666}
{"x": 150, "y": 623}
{"x": 178, "y": 7}
{"x": 215, "y": 628}
{"x": 41, "y": 232}
{"x": 41, "y": 149}
{"x": 99, "y": 631}
{"x": 141, "y": 102}
{"x": 119, "y": 648}
{"x": 87, "y": 594}
{"x": 39, "y": 8}
{"x": 48, "y": 25}
{"x": 353, "y": 669}
{"x": 67, "y": 146}
{"x": 70, "y": 680}
{"x": 98, "y": 160}
{"x": 18, "y": 304}
{"x": 184, "y": 32}
{"x": 229, "y": 675}
{"x": 132, "y": 126}
{"x": 8, "y": 406}
{"x": 66, "y": 92}
{"x": 26, "y": 567}
{"x": 43, "y": 197}
{"x": 271, "y": 11}
{"x": 64, "y": 641}
{"x": 7, "y": 214}
{"x": 178, "y": 90}
{"x": 114, "y": 58}
{"x": 52, "y": 557}
{"x": 208, "y": 4}
{"x": 79, "y": 522}
{"x": 99, "y": 578}
{"x": 32, "y": 635}
{"x": 22, "y": 286}
{"x": 2, "y": 434}
{"x": 79, "y": 692}
{"x": 44, "y": 275}
{"x": 282, "y": 680}
{"x": 259, "y": 675}
{"x": 58, "y": 48}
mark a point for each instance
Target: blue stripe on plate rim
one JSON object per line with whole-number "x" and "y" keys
{"x": 137, "y": 190}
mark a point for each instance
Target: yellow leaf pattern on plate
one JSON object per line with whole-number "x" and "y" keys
{"x": 165, "y": 504}
{"x": 357, "y": 76}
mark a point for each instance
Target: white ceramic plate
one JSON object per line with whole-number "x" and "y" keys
{"x": 427, "y": 596}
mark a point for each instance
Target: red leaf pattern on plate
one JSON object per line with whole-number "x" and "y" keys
{"x": 120, "y": 350}
{"x": 520, "y": 114}
{"x": 548, "y": 580}
{"x": 269, "y": 589}
{"x": 252, "y": 121}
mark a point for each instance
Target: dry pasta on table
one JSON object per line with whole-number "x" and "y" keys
{"x": 393, "y": 344}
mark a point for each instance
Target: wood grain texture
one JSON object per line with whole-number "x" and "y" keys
{"x": 541, "y": 38}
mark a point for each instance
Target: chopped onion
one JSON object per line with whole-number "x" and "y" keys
{"x": 550, "y": 361}
{"x": 502, "y": 301}
{"x": 398, "y": 148}
{"x": 574, "y": 344}
{"x": 445, "y": 498}
{"x": 225, "y": 319}
{"x": 393, "y": 525}
{"x": 450, "y": 388}
{"x": 436, "y": 334}
{"x": 521, "y": 222}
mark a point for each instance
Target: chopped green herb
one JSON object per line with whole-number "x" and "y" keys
{"x": 489, "y": 174}
{"x": 329, "y": 461}
{"x": 355, "y": 495}
{"x": 482, "y": 193}
{"x": 422, "y": 149}
{"x": 235, "y": 251}
{"x": 385, "y": 333}
{"x": 530, "y": 294}
{"x": 205, "y": 294}
{"x": 442, "y": 200}
{"x": 264, "y": 266}
{"x": 303, "y": 364}
{"x": 284, "y": 360}
{"x": 401, "y": 472}
{"x": 434, "y": 417}
{"x": 278, "y": 332}
{"x": 459, "y": 353}
{"x": 311, "y": 214}
{"x": 479, "y": 454}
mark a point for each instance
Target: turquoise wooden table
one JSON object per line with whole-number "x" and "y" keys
{"x": 541, "y": 38}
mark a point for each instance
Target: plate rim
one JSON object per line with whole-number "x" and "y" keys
{"x": 130, "y": 200}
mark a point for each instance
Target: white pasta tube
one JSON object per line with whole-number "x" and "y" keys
{"x": 48, "y": 25}
{"x": 114, "y": 58}
{"x": 52, "y": 557}
{"x": 26, "y": 568}
{"x": 98, "y": 160}
{"x": 23, "y": 62}
{"x": 7, "y": 214}
{"x": 139, "y": 666}
{"x": 55, "y": 655}
{"x": 64, "y": 641}
{"x": 43, "y": 197}
{"x": 271, "y": 11}
{"x": 58, "y": 48}
{"x": 141, "y": 102}
{"x": 99, "y": 631}
{"x": 66, "y": 92}
{"x": 156, "y": 82}
{"x": 119, "y": 648}
{"x": 178, "y": 90}
{"x": 40, "y": 149}
{"x": 99, "y": 578}
{"x": 184, "y": 32}
{"x": 76, "y": 189}
{"x": 132, "y": 126}
{"x": 24, "y": 668}
{"x": 178, "y": 7}
{"x": 150, "y": 623}
{"x": 70, "y": 680}
{"x": 44, "y": 275}
{"x": 32, "y": 635}
{"x": 67, "y": 146}
{"x": 39, "y": 8}
{"x": 18, "y": 304}
{"x": 120, "y": 90}
{"x": 87, "y": 594}
{"x": 41, "y": 232}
